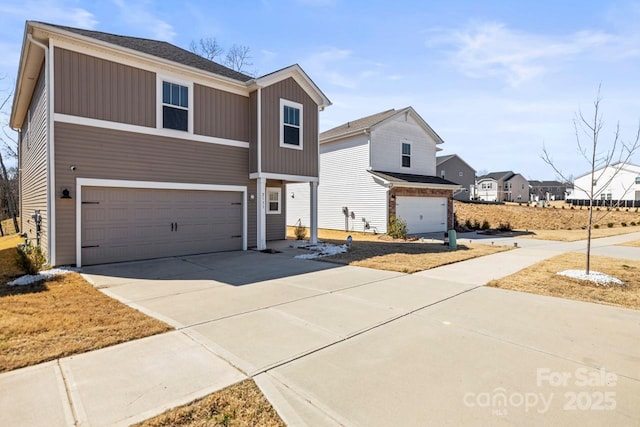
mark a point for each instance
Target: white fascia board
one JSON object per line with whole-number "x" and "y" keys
{"x": 424, "y": 185}
{"x": 283, "y": 177}
{"x": 297, "y": 73}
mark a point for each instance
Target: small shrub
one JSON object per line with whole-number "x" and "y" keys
{"x": 476, "y": 225}
{"x": 300, "y": 231}
{"x": 397, "y": 228}
{"x": 562, "y": 206}
{"x": 633, "y": 223}
{"x": 573, "y": 207}
{"x": 596, "y": 226}
{"x": 504, "y": 226}
{"x": 624, "y": 224}
{"x": 610, "y": 224}
{"x": 29, "y": 258}
{"x": 468, "y": 224}
{"x": 485, "y": 225}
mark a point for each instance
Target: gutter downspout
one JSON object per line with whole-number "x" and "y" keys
{"x": 50, "y": 168}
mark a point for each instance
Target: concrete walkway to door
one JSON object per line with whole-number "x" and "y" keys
{"x": 332, "y": 345}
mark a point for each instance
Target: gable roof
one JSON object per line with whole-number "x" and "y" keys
{"x": 406, "y": 179}
{"x": 497, "y": 176}
{"x": 443, "y": 159}
{"x": 367, "y": 123}
{"x": 536, "y": 183}
{"x": 159, "y": 49}
{"x": 629, "y": 167}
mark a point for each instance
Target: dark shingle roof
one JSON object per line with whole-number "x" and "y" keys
{"x": 497, "y": 175}
{"x": 535, "y": 183}
{"x": 410, "y": 178}
{"x": 356, "y": 125}
{"x": 159, "y": 49}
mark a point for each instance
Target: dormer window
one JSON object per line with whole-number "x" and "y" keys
{"x": 406, "y": 155}
{"x": 290, "y": 124}
{"x": 175, "y": 106}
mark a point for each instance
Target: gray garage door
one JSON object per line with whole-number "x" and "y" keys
{"x": 124, "y": 224}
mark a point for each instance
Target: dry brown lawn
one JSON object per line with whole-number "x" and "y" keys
{"x": 530, "y": 218}
{"x": 241, "y": 405}
{"x": 381, "y": 252}
{"x": 60, "y": 317}
{"x": 542, "y": 279}
{"x": 575, "y": 235}
{"x": 635, "y": 243}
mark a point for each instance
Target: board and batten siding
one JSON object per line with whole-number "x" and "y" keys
{"x": 253, "y": 132}
{"x": 33, "y": 162}
{"x": 386, "y": 147}
{"x": 95, "y": 88}
{"x": 112, "y": 154}
{"x": 221, "y": 114}
{"x": 344, "y": 182}
{"x": 282, "y": 160}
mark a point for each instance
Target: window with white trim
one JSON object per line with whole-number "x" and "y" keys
{"x": 274, "y": 197}
{"x": 442, "y": 173}
{"x": 460, "y": 174}
{"x": 290, "y": 124}
{"x": 175, "y": 106}
{"x": 637, "y": 179}
{"x": 406, "y": 155}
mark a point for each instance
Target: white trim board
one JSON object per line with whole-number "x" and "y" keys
{"x": 92, "y": 182}
{"x": 284, "y": 177}
{"x": 168, "y": 133}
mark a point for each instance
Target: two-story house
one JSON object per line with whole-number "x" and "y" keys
{"x": 133, "y": 148}
{"x": 374, "y": 168}
{"x": 549, "y": 190}
{"x": 453, "y": 168}
{"x": 617, "y": 184}
{"x": 502, "y": 187}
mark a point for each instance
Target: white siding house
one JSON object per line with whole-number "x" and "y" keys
{"x": 373, "y": 168}
{"x": 619, "y": 182}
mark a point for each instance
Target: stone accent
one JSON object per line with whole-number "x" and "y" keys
{"x": 421, "y": 192}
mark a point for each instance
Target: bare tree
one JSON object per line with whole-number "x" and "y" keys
{"x": 8, "y": 191}
{"x": 207, "y": 48}
{"x": 237, "y": 58}
{"x": 611, "y": 158}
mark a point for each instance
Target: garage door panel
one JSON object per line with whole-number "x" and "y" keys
{"x": 423, "y": 214}
{"x": 127, "y": 224}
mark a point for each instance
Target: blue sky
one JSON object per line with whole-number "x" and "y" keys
{"x": 495, "y": 79}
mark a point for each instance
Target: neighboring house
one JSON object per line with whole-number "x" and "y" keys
{"x": 374, "y": 168}
{"x": 133, "y": 148}
{"x": 613, "y": 184}
{"x": 453, "y": 168}
{"x": 549, "y": 190}
{"x": 502, "y": 187}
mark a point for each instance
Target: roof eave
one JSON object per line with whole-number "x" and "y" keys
{"x": 344, "y": 135}
{"x": 426, "y": 185}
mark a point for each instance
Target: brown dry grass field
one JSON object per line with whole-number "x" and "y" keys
{"x": 60, "y": 317}
{"x": 635, "y": 243}
{"x": 542, "y": 279}
{"x": 376, "y": 251}
{"x": 240, "y": 405}
{"x": 530, "y": 218}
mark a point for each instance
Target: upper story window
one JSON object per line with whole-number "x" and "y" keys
{"x": 460, "y": 173}
{"x": 175, "y": 106}
{"x": 442, "y": 173}
{"x": 274, "y": 195}
{"x": 637, "y": 179}
{"x": 406, "y": 155}
{"x": 290, "y": 124}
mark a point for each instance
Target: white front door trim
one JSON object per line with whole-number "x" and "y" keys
{"x": 118, "y": 183}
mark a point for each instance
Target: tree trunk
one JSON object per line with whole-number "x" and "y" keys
{"x": 8, "y": 194}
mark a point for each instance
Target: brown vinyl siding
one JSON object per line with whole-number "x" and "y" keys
{"x": 111, "y": 154}
{"x": 281, "y": 160}
{"x": 220, "y": 114}
{"x": 95, "y": 88}
{"x": 276, "y": 223}
{"x": 33, "y": 160}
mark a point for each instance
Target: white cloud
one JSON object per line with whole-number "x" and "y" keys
{"x": 53, "y": 11}
{"x": 489, "y": 49}
{"x": 138, "y": 14}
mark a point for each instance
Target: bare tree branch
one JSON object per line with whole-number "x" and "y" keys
{"x": 208, "y": 48}
{"x": 239, "y": 58}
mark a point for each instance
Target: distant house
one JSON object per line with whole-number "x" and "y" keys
{"x": 453, "y": 168}
{"x": 502, "y": 187}
{"x": 615, "y": 183}
{"x": 374, "y": 168}
{"x": 549, "y": 190}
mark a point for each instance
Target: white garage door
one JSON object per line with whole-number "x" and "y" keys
{"x": 423, "y": 214}
{"x": 124, "y": 224}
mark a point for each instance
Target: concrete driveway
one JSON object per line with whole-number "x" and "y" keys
{"x": 332, "y": 345}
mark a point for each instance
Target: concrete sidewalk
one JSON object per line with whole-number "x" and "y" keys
{"x": 333, "y": 345}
